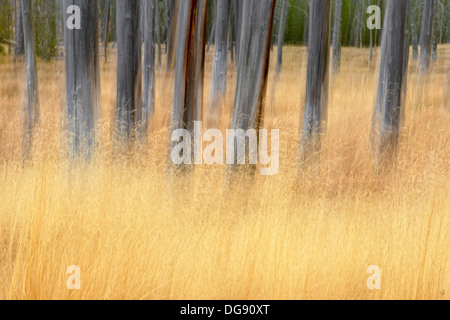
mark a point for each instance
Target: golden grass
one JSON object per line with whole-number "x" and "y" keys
{"x": 136, "y": 235}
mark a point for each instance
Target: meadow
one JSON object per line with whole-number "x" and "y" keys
{"x": 136, "y": 233}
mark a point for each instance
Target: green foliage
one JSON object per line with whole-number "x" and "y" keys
{"x": 46, "y": 19}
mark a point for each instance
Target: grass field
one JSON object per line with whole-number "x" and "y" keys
{"x": 135, "y": 234}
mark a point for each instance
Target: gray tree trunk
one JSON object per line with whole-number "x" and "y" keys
{"x": 238, "y": 6}
{"x": 317, "y": 79}
{"x": 129, "y": 85}
{"x": 426, "y": 35}
{"x": 253, "y": 66}
{"x": 414, "y": 37}
{"x": 337, "y": 37}
{"x": 82, "y": 79}
{"x": 219, "y": 76}
{"x": 149, "y": 66}
{"x": 30, "y": 114}
{"x": 189, "y": 65}
{"x": 106, "y": 28}
{"x": 392, "y": 78}
{"x": 172, "y": 33}
{"x": 19, "y": 48}
{"x": 281, "y": 31}
{"x": 158, "y": 32}
{"x": 435, "y": 35}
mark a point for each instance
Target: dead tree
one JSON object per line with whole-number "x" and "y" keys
{"x": 172, "y": 12}
{"x": 337, "y": 37}
{"x": 82, "y": 77}
{"x": 414, "y": 38}
{"x": 238, "y": 6}
{"x": 281, "y": 31}
{"x": 189, "y": 66}
{"x": 129, "y": 90}
{"x": 19, "y": 49}
{"x": 253, "y": 66}
{"x": 106, "y": 28}
{"x": 30, "y": 114}
{"x": 426, "y": 34}
{"x": 158, "y": 32}
{"x": 149, "y": 65}
{"x": 392, "y": 79}
{"x": 219, "y": 76}
{"x": 317, "y": 79}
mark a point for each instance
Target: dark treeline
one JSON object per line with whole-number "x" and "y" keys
{"x": 49, "y": 32}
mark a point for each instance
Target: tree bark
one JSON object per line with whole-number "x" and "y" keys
{"x": 129, "y": 91}
{"x": 189, "y": 65}
{"x": 253, "y": 66}
{"x": 315, "y": 116}
{"x": 30, "y": 114}
{"x": 172, "y": 33}
{"x": 392, "y": 79}
{"x": 106, "y": 28}
{"x": 82, "y": 80}
{"x": 414, "y": 38}
{"x": 219, "y": 76}
{"x": 149, "y": 69}
{"x": 337, "y": 37}
{"x": 281, "y": 31}
{"x": 19, "y": 46}
{"x": 426, "y": 35}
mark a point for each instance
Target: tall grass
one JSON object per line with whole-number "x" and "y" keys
{"x": 137, "y": 234}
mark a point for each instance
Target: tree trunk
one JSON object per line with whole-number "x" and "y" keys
{"x": 172, "y": 33}
{"x": 238, "y": 6}
{"x": 149, "y": 69}
{"x": 30, "y": 115}
{"x": 315, "y": 116}
{"x": 435, "y": 36}
{"x": 337, "y": 37}
{"x": 414, "y": 38}
{"x": 129, "y": 91}
{"x": 219, "y": 76}
{"x": 82, "y": 80}
{"x": 254, "y": 54}
{"x": 392, "y": 79}
{"x": 158, "y": 33}
{"x": 106, "y": 28}
{"x": 189, "y": 65}
{"x": 281, "y": 31}
{"x": 19, "y": 49}
{"x": 426, "y": 35}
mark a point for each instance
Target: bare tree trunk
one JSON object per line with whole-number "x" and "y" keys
{"x": 391, "y": 90}
{"x": 435, "y": 35}
{"x": 426, "y": 35}
{"x": 172, "y": 32}
{"x": 254, "y": 54}
{"x": 19, "y": 49}
{"x": 82, "y": 80}
{"x": 148, "y": 108}
{"x": 219, "y": 76}
{"x": 337, "y": 37}
{"x": 158, "y": 32}
{"x": 281, "y": 31}
{"x": 414, "y": 38}
{"x": 106, "y": 28}
{"x": 189, "y": 65}
{"x": 30, "y": 115}
{"x": 315, "y": 116}
{"x": 238, "y": 6}
{"x": 129, "y": 90}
